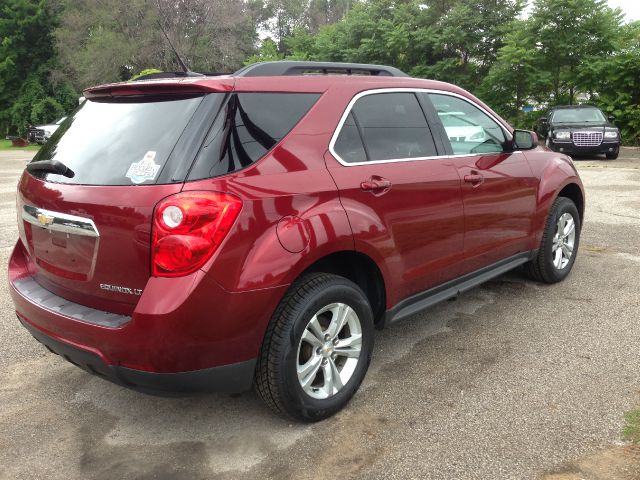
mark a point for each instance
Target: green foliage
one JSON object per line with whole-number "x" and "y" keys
{"x": 452, "y": 41}
{"x": 567, "y": 33}
{"x": 7, "y": 145}
{"x": 29, "y": 91}
{"x": 267, "y": 51}
{"x": 631, "y": 430}
{"x": 106, "y": 41}
{"x": 146, "y": 71}
{"x": 566, "y": 51}
{"x": 614, "y": 81}
{"x": 45, "y": 110}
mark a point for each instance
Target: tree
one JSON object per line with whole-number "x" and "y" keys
{"x": 567, "y": 33}
{"x": 118, "y": 38}
{"x": 514, "y": 76}
{"x": 614, "y": 82}
{"x": 465, "y": 36}
{"x": 282, "y": 18}
{"x": 30, "y": 92}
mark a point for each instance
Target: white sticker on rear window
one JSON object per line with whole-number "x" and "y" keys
{"x": 145, "y": 169}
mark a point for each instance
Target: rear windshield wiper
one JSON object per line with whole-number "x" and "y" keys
{"x": 51, "y": 166}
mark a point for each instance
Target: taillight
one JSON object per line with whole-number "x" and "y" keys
{"x": 187, "y": 228}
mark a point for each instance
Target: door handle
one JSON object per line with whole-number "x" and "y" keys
{"x": 376, "y": 185}
{"x": 474, "y": 179}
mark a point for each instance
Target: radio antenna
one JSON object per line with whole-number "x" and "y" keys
{"x": 183, "y": 66}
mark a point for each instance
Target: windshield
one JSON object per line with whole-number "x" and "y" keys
{"x": 577, "y": 115}
{"x": 118, "y": 143}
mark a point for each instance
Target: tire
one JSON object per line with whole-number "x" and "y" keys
{"x": 545, "y": 267}
{"x": 311, "y": 305}
{"x": 612, "y": 155}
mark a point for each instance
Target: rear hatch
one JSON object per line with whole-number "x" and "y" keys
{"x": 88, "y": 232}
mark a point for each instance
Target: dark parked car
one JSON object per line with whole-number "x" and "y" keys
{"x": 41, "y": 133}
{"x": 254, "y": 229}
{"x": 580, "y": 130}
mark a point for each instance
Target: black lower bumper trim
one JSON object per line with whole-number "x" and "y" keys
{"x": 233, "y": 378}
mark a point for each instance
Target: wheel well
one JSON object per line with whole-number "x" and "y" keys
{"x": 573, "y": 193}
{"x": 362, "y": 271}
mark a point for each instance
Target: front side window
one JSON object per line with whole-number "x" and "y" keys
{"x": 385, "y": 126}
{"x": 468, "y": 128}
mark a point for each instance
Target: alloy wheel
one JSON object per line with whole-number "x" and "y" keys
{"x": 329, "y": 350}
{"x": 563, "y": 241}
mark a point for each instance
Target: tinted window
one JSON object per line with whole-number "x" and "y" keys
{"x": 393, "y": 126}
{"x": 102, "y": 140}
{"x": 349, "y": 143}
{"x": 249, "y": 125}
{"x": 469, "y": 129}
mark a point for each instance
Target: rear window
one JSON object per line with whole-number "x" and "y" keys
{"x": 248, "y": 126}
{"x": 118, "y": 143}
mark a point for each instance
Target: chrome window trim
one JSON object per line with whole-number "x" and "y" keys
{"x": 59, "y": 222}
{"x": 364, "y": 93}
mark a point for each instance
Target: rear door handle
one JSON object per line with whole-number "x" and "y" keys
{"x": 474, "y": 179}
{"x": 376, "y": 185}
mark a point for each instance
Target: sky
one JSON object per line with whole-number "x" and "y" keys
{"x": 631, "y": 8}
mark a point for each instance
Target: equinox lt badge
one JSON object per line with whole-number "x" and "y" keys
{"x": 117, "y": 288}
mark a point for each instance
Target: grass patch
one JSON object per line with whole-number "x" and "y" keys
{"x": 631, "y": 430}
{"x": 6, "y": 145}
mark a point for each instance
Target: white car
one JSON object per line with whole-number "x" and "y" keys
{"x": 459, "y": 129}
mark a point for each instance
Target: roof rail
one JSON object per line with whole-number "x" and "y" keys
{"x": 290, "y": 67}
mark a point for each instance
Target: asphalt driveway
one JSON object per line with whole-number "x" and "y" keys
{"x": 513, "y": 380}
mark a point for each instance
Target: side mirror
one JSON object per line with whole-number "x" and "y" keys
{"x": 611, "y": 118}
{"x": 524, "y": 140}
{"x": 542, "y": 120}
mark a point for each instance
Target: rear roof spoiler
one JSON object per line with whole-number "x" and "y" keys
{"x": 161, "y": 86}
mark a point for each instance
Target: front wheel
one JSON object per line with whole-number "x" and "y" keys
{"x": 559, "y": 245}
{"x": 613, "y": 155}
{"x": 317, "y": 348}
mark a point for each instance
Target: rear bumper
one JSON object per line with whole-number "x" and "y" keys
{"x": 185, "y": 334}
{"x": 233, "y": 378}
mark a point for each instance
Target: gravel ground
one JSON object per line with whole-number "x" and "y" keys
{"x": 513, "y": 380}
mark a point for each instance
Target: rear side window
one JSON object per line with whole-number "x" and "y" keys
{"x": 349, "y": 143}
{"x": 247, "y": 127}
{"x": 118, "y": 143}
{"x": 391, "y": 125}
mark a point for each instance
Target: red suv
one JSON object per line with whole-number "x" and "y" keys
{"x": 213, "y": 233}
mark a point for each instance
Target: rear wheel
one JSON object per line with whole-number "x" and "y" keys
{"x": 317, "y": 348}
{"x": 559, "y": 245}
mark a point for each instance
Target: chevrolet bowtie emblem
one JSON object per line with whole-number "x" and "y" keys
{"x": 44, "y": 219}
